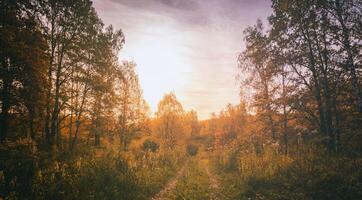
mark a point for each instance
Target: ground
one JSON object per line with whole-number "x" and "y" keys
{"x": 194, "y": 181}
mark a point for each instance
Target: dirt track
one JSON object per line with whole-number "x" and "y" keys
{"x": 170, "y": 185}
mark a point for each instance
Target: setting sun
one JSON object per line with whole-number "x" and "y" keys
{"x": 162, "y": 62}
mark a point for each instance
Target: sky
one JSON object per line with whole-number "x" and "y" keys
{"x": 188, "y": 47}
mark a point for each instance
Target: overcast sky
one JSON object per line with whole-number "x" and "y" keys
{"x": 189, "y": 47}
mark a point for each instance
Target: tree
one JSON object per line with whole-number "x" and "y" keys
{"x": 344, "y": 18}
{"x": 303, "y": 31}
{"x": 83, "y": 55}
{"x": 212, "y": 126}
{"x": 132, "y": 108}
{"x": 169, "y": 115}
{"x": 66, "y": 24}
{"x": 194, "y": 125}
{"x": 305, "y": 67}
{"x": 21, "y": 73}
{"x": 256, "y": 62}
{"x": 229, "y": 124}
{"x": 104, "y": 68}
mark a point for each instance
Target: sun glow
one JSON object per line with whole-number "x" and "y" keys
{"x": 161, "y": 63}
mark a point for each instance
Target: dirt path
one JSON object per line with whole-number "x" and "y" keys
{"x": 170, "y": 185}
{"x": 199, "y": 183}
{"x": 215, "y": 186}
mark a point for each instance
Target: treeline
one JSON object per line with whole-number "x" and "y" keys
{"x": 297, "y": 132}
{"x": 60, "y": 74}
{"x": 304, "y": 72}
{"x": 73, "y": 120}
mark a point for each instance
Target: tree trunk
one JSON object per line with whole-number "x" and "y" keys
{"x": 70, "y": 127}
{"x": 55, "y": 114}
{"x": 328, "y": 114}
{"x": 324, "y": 66}
{"x": 31, "y": 124}
{"x": 5, "y": 107}
{"x": 317, "y": 88}
{"x": 79, "y": 116}
{"x": 337, "y": 130}
{"x": 97, "y": 120}
{"x": 47, "y": 116}
{"x": 50, "y": 82}
{"x": 285, "y": 114}
{"x": 269, "y": 112}
{"x": 97, "y": 139}
{"x": 58, "y": 134}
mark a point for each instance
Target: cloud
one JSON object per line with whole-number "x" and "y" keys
{"x": 180, "y": 4}
{"x": 206, "y": 35}
{"x": 156, "y": 4}
{"x": 187, "y": 11}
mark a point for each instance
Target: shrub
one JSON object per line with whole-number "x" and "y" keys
{"x": 192, "y": 149}
{"x": 274, "y": 176}
{"x": 106, "y": 177}
{"x": 149, "y": 145}
{"x": 16, "y": 172}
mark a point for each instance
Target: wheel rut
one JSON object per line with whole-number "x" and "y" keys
{"x": 214, "y": 186}
{"x": 170, "y": 185}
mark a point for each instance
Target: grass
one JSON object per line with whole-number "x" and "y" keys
{"x": 103, "y": 174}
{"x": 195, "y": 184}
{"x": 272, "y": 176}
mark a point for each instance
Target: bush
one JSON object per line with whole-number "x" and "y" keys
{"x": 274, "y": 176}
{"x": 192, "y": 149}
{"x": 106, "y": 177}
{"x": 317, "y": 179}
{"x": 17, "y": 170}
{"x": 149, "y": 145}
{"x": 86, "y": 174}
